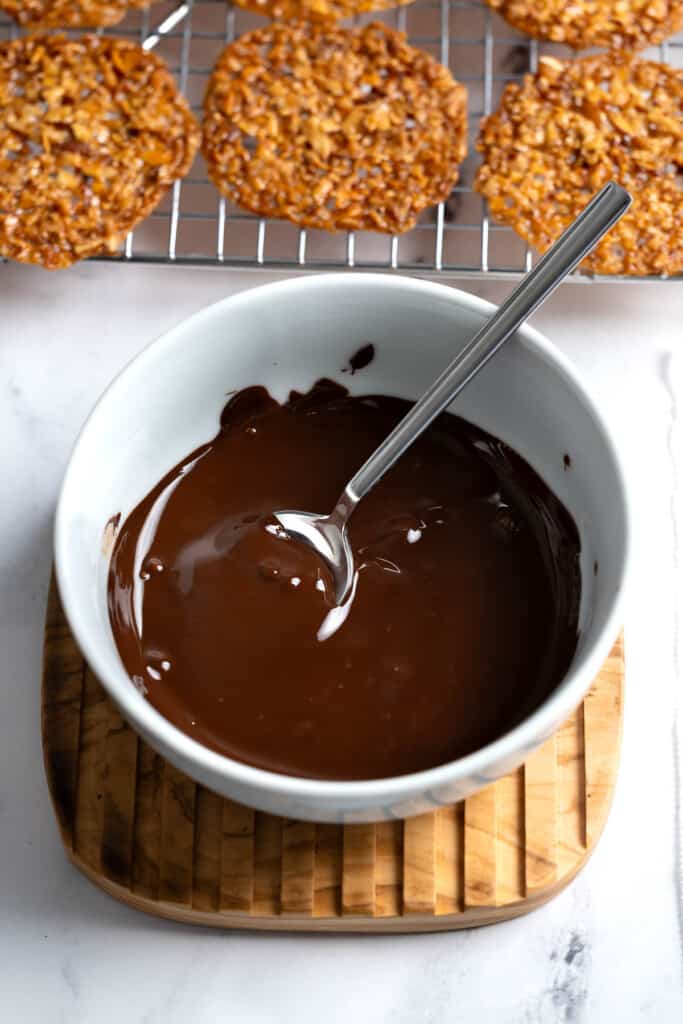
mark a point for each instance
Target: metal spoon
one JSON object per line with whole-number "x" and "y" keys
{"x": 328, "y": 534}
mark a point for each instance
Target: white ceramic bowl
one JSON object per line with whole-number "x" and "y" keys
{"x": 287, "y": 335}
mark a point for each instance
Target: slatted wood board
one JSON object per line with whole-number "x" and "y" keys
{"x": 151, "y": 837}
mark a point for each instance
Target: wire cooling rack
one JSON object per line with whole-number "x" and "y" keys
{"x": 195, "y": 226}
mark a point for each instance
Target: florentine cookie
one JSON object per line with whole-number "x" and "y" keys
{"x": 333, "y": 128}
{"x": 631, "y": 24}
{"x": 568, "y": 130}
{"x": 329, "y": 10}
{"x": 92, "y": 133}
{"x": 69, "y": 13}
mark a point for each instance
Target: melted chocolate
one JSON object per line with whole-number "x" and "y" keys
{"x": 360, "y": 359}
{"x": 464, "y": 617}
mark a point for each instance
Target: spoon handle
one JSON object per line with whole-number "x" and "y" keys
{"x": 603, "y": 211}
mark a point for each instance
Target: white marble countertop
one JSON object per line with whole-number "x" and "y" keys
{"x": 608, "y": 949}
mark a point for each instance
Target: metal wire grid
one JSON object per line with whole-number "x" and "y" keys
{"x": 195, "y": 226}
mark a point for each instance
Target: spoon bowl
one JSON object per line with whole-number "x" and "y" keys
{"x": 329, "y": 538}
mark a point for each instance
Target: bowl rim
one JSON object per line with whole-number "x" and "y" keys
{"x": 514, "y": 744}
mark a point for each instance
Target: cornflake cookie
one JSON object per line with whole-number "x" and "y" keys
{"x": 630, "y": 24}
{"x": 92, "y": 133}
{"x": 565, "y": 132}
{"x": 333, "y": 128}
{"x": 69, "y": 13}
{"x": 303, "y": 10}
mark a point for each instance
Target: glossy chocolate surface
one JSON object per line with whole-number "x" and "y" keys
{"x": 464, "y": 617}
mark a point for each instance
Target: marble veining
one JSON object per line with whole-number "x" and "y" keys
{"x": 671, "y": 376}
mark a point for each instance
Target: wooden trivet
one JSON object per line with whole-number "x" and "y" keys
{"x": 154, "y": 839}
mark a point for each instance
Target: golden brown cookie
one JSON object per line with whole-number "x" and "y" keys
{"x": 630, "y": 24}
{"x": 316, "y": 10}
{"x": 333, "y": 128}
{"x": 92, "y": 133}
{"x": 566, "y": 131}
{"x": 69, "y": 13}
